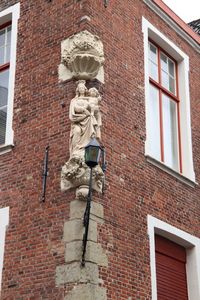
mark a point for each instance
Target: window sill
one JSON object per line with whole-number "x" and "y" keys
{"x": 170, "y": 171}
{"x": 5, "y": 149}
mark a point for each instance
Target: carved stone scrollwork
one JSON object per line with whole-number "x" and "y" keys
{"x": 82, "y": 57}
{"x": 85, "y": 117}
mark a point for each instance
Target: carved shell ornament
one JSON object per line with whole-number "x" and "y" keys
{"x": 84, "y": 55}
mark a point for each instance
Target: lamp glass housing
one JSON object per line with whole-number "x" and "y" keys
{"x": 92, "y": 153}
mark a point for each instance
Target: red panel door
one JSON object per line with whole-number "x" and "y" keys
{"x": 170, "y": 270}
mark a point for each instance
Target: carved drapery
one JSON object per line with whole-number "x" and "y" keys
{"x": 85, "y": 117}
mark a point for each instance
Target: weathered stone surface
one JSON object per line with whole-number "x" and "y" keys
{"x": 75, "y": 273}
{"x": 94, "y": 253}
{"x": 82, "y": 57}
{"x": 87, "y": 292}
{"x": 77, "y": 209}
{"x": 86, "y": 122}
{"x": 74, "y": 230}
{"x": 97, "y": 212}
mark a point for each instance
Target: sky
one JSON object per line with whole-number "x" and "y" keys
{"x": 188, "y": 10}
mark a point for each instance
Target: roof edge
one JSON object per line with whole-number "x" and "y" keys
{"x": 177, "y": 20}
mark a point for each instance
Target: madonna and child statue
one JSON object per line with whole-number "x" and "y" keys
{"x": 85, "y": 117}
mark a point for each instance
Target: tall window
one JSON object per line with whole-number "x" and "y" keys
{"x": 168, "y": 142}
{"x": 164, "y": 116}
{"x": 5, "y": 43}
{"x": 8, "y": 50}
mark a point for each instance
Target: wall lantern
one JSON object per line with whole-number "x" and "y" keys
{"x": 92, "y": 153}
{"x": 92, "y": 156}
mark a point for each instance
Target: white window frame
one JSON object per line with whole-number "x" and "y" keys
{"x": 4, "y": 221}
{"x": 149, "y": 31}
{"x": 188, "y": 241}
{"x": 10, "y": 14}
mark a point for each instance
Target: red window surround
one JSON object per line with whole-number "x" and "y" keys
{"x": 175, "y": 97}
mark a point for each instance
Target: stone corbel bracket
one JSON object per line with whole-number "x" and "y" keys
{"x": 82, "y": 57}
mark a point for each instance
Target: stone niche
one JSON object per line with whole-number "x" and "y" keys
{"x": 82, "y": 57}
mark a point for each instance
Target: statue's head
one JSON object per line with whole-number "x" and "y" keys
{"x": 81, "y": 88}
{"x": 93, "y": 92}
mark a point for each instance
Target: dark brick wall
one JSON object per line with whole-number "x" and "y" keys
{"x": 134, "y": 187}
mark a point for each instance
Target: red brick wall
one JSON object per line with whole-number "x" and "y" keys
{"x": 135, "y": 188}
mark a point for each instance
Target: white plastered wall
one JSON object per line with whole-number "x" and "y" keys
{"x": 192, "y": 245}
{"x": 11, "y": 14}
{"x": 149, "y": 31}
{"x": 4, "y": 221}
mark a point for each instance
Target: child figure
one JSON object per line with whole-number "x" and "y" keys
{"x": 93, "y": 101}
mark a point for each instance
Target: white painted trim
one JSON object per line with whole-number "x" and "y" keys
{"x": 172, "y": 24}
{"x": 4, "y": 221}
{"x": 192, "y": 245}
{"x": 170, "y": 171}
{"x": 149, "y": 31}
{"x": 11, "y": 14}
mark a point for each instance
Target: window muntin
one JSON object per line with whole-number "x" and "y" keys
{"x": 5, "y": 43}
{"x": 162, "y": 76}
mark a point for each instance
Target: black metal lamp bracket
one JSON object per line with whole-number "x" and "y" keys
{"x": 45, "y": 173}
{"x": 86, "y": 220}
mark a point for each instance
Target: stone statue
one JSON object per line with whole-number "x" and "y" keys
{"x": 85, "y": 117}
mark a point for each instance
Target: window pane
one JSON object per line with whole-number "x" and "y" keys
{"x": 2, "y": 54}
{"x": 153, "y": 62}
{"x": 153, "y": 53}
{"x": 154, "y": 123}
{"x": 153, "y": 71}
{"x": 3, "y": 117}
{"x": 168, "y": 82}
{"x": 171, "y": 67}
{"x": 7, "y": 54}
{"x": 2, "y": 37}
{"x": 4, "y": 76}
{"x": 8, "y": 41}
{"x": 172, "y": 85}
{"x": 168, "y": 73}
{"x": 164, "y": 62}
{"x": 170, "y": 132}
{"x": 9, "y": 35}
{"x": 165, "y": 80}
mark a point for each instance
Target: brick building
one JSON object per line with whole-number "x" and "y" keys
{"x": 144, "y": 239}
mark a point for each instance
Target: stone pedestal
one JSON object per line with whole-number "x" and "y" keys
{"x": 85, "y": 279}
